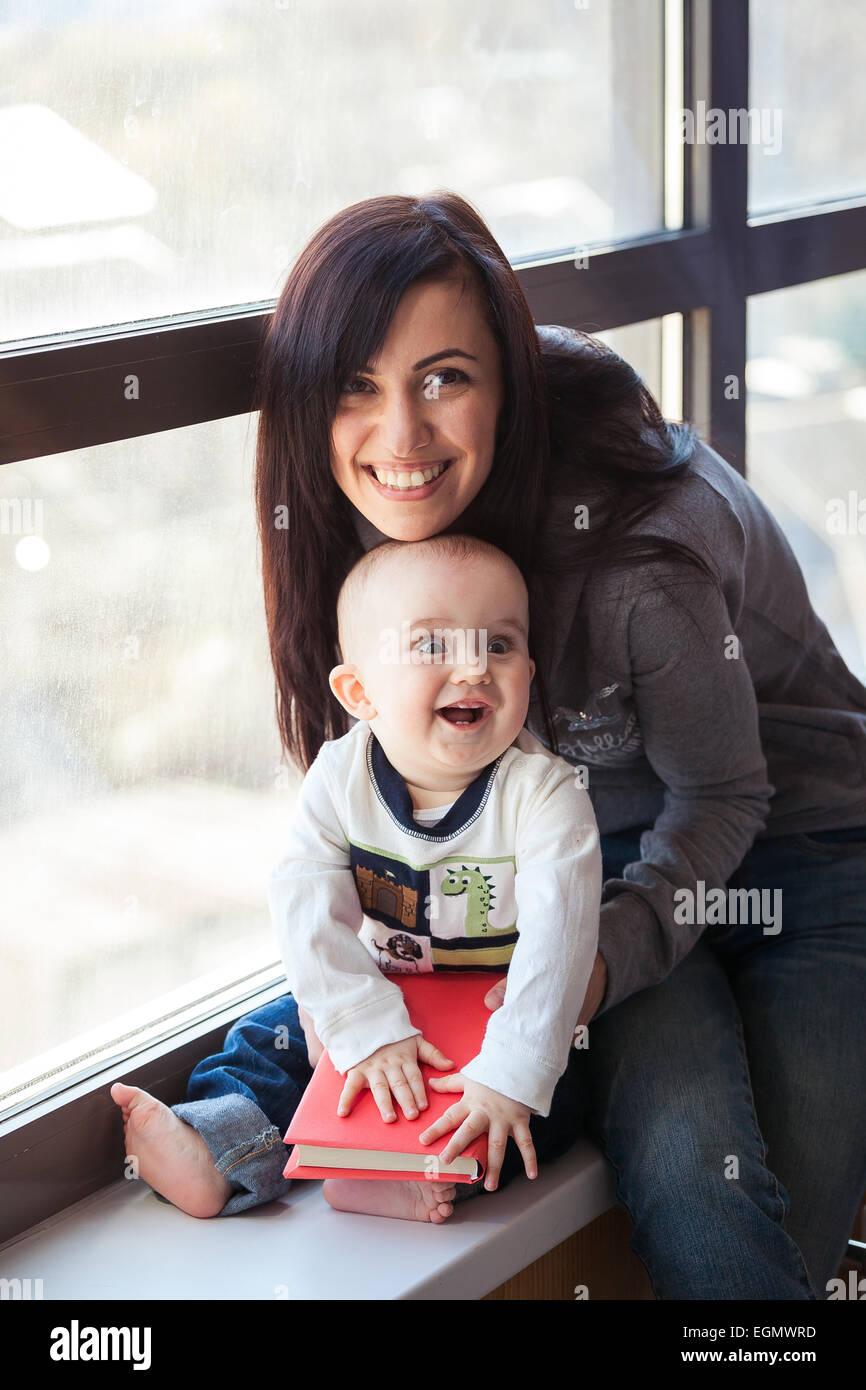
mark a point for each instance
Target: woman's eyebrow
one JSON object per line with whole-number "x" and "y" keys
{"x": 428, "y": 361}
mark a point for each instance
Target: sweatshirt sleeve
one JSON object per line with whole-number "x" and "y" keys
{"x": 558, "y": 892}
{"x": 696, "y": 707}
{"x": 317, "y": 915}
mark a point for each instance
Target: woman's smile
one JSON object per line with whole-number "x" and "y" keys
{"x": 406, "y": 483}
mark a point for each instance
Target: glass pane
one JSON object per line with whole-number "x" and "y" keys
{"x": 143, "y": 802}
{"x": 806, "y": 74}
{"x": 654, "y": 348}
{"x": 174, "y": 157}
{"x": 805, "y": 418}
{"x": 640, "y": 345}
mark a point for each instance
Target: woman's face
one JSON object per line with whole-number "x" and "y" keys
{"x": 432, "y": 399}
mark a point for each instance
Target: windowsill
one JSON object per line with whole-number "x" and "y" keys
{"x": 299, "y": 1248}
{"x": 76, "y": 1219}
{"x": 67, "y": 1146}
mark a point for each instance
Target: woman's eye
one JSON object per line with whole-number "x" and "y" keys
{"x": 435, "y": 381}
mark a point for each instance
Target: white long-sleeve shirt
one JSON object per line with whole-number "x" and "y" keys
{"x": 509, "y": 878}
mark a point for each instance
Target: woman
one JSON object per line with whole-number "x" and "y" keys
{"x": 679, "y": 665}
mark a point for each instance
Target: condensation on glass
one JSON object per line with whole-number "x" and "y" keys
{"x": 175, "y": 157}
{"x": 806, "y": 82}
{"x": 144, "y": 801}
{"x": 806, "y": 427}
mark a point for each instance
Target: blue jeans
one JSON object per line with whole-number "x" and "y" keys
{"x": 728, "y": 1098}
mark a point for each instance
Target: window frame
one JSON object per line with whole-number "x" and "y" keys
{"x": 67, "y": 393}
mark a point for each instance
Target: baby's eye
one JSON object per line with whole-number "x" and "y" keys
{"x": 503, "y": 642}
{"x": 426, "y": 643}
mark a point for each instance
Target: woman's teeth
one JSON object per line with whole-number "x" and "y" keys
{"x": 417, "y": 478}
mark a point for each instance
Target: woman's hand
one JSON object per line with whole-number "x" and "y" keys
{"x": 482, "y": 1110}
{"x": 394, "y": 1069}
{"x": 315, "y": 1047}
{"x": 495, "y": 996}
{"x": 595, "y": 991}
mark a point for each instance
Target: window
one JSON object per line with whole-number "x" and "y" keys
{"x": 174, "y": 157}
{"x": 806, "y": 379}
{"x": 816, "y": 105}
{"x": 140, "y": 762}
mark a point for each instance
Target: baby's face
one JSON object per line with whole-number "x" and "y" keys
{"x": 435, "y": 636}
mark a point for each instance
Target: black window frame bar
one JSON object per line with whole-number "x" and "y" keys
{"x": 67, "y": 393}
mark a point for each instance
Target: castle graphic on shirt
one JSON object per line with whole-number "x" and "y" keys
{"x": 452, "y": 915}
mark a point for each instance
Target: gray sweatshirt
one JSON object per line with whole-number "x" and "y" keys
{"x": 720, "y": 715}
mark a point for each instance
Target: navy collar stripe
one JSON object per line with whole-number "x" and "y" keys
{"x": 394, "y": 795}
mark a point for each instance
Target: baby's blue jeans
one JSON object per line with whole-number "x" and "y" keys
{"x": 729, "y": 1099}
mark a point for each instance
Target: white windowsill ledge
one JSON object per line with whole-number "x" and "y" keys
{"x": 121, "y": 1243}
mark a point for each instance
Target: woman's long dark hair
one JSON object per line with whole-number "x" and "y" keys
{"x": 574, "y": 416}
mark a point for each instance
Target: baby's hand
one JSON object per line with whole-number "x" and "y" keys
{"x": 482, "y": 1110}
{"x": 394, "y": 1068}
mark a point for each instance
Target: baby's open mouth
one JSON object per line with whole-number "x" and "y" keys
{"x": 464, "y": 713}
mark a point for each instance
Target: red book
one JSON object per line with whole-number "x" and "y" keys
{"x": 451, "y": 1013}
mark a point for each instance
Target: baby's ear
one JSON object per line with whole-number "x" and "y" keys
{"x": 345, "y": 682}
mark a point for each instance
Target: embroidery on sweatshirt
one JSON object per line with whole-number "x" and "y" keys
{"x": 605, "y": 731}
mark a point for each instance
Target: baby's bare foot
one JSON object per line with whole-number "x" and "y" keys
{"x": 414, "y": 1201}
{"x": 172, "y": 1157}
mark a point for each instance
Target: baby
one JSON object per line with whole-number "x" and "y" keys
{"x": 439, "y": 834}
